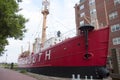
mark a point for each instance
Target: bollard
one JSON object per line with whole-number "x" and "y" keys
{"x": 85, "y": 77}
{"x": 78, "y": 77}
{"x": 91, "y": 77}
{"x": 73, "y": 77}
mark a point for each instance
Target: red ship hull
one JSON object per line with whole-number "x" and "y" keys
{"x": 67, "y": 58}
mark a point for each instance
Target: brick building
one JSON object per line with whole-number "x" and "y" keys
{"x": 101, "y": 13}
{"x": 98, "y": 13}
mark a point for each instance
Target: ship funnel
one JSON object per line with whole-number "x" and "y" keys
{"x": 85, "y": 29}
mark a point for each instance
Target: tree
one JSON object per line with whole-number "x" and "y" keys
{"x": 12, "y": 24}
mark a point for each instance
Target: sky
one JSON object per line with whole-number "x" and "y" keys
{"x": 61, "y": 17}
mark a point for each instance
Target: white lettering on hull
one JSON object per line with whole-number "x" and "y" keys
{"x": 39, "y": 57}
{"x": 47, "y": 55}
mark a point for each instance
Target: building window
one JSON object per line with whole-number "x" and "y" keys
{"x": 81, "y": 23}
{"x": 91, "y": 2}
{"x": 93, "y": 11}
{"x": 113, "y": 15}
{"x": 82, "y": 14}
{"x": 116, "y": 2}
{"x": 115, "y": 27}
{"x": 82, "y": 1}
{"x": 82, "y": 7}
{"x": 116, "y": 41}
{"x": 93, "y": 22}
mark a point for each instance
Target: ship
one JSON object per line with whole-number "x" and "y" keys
{"x": 84, "y": 54}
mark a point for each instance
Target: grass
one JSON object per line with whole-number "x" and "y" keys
{"x": 23, "y": 71}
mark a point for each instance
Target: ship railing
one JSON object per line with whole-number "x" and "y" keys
{"x": 55, "y": 40}
{"x": 68, "y": 34}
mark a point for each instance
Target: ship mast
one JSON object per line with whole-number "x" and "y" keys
{"x": 45, "y": 12}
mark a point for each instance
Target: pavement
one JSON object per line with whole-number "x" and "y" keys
{"x": 43, "y": 77}
{"x": 7, "y": 74}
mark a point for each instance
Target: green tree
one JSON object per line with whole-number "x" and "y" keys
{"x": 12, "y": 24}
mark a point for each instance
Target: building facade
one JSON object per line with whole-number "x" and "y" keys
{"x": 99, "y": 13}
{"x": 102, "y": 13}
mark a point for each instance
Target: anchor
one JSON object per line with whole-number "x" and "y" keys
{"x": 85, "y": 29}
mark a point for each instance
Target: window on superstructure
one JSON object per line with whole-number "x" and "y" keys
{"x": 115, "y": 27}
{"x": 82, "y": 14}
{"x": 116, "y": 2}
{"x": 113, "y": 15}
{"x": 82, "y": 7}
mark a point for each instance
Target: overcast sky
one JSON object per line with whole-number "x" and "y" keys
{"x": 61, "y": 17}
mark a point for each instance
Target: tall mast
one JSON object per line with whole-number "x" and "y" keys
{"x": 45, "y": 12}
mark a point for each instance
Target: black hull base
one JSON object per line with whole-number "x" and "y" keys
{"x": 96, "y": 72}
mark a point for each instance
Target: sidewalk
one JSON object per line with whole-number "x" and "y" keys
{"x": 6, "y": 74}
